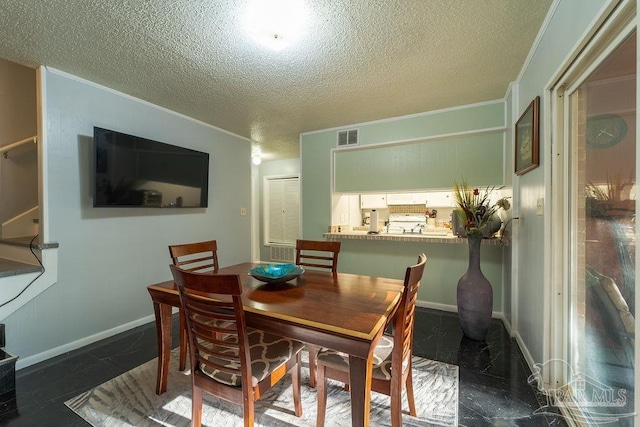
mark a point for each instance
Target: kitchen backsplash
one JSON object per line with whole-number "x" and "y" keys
{"x": 404, "y": 209}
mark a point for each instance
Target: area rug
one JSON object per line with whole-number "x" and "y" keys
{"x": 130, "y": 400}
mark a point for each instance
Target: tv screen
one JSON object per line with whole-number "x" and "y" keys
{"x": 133, "y": 171}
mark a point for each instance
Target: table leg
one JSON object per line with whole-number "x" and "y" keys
{"x": 183, "y": 343}
{"x": 360, "y": 381}
{"x": 163, "y": 329}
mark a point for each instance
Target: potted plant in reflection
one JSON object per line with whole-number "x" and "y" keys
{"x": 474, "y": 291}
{"x": 611, "y": 198}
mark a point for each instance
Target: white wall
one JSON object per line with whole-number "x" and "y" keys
{"x": 566, "y": 27}
{"x": 108, "y": 256}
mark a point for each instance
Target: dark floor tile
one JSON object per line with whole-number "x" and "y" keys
{"x": 57, "y": 415}
{"x": 557, "y": 421}
{"x": 475, "y": 355}
{"x": 62, "y": 368}
{"x": 8, "y": 407}
{"x": 426, "y": 335}
{"x": 74, "y": 385}
{"x": 494, "y": 388}
{"x": 496, "y": 401}
{"x": 450, "y": 337}
{"x": 50, "y": 383}
{"x": 493, "y": 375}
{"x": 132, "y": 350}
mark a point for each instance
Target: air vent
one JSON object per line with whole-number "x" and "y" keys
{"x": 348, "y": 137}
{"x": 282, "y": 253}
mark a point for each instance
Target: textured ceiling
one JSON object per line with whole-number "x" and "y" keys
{"x": 359, "y": 60}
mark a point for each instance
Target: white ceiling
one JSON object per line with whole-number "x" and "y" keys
{"x": 360, "y": 60}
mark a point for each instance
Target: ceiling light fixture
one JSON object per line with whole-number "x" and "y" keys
{"x": 276, "y": 24}
{"x": 256, "y": 155}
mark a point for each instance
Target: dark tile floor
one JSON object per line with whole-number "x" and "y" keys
{"x": 494, "y": 388}
{"x": 493, "y": 375}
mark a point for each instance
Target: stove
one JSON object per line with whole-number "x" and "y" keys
{"x": 406, "y": 223}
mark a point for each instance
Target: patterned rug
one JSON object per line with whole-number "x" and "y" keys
{"x": 130, "y": 400}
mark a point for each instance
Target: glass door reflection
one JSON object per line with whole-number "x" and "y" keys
{"x": 603, "y": 242}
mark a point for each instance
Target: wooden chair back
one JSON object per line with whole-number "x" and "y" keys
{"x": 196, "y": 257}
{"x": 199, "y": 257}
{"x": 394, "y": 380}
{"x": 318, "y": 254}
{"x": 213, "y": 310}
{"x": 220, "y": 344}
{"x": 321, "y": 255}
{"x": 404, "y": 320}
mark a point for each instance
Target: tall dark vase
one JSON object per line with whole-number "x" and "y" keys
{"x": 475, "y": 295}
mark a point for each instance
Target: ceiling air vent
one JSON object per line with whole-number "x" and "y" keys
{"x": 348, "y": 137}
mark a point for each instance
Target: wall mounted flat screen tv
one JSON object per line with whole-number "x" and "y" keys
{"x": 138, "y": 172}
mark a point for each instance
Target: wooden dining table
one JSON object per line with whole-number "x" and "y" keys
{"x": 344, "y": 312}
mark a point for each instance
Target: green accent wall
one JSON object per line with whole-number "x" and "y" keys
{"x": 421, "y": 165}
{"x": 450, "y": 131}
{"x": 446, "y": 263}
{"x": 315, "y": 165}
{"x": 439, "y": 123}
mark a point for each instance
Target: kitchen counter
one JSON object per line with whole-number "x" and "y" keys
{"x": 424, "y": 238}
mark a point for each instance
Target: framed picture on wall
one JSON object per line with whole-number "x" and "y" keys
{"x": 527, "y": 143}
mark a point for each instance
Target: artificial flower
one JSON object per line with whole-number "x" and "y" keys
{"x": 474, "y": 205}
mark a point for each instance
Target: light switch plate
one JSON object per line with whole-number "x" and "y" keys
{"x": 540, "y": 207}
{"x": 243, "y": 211}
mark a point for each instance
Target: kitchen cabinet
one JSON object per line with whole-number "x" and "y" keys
{"x": 373, "y": 201}
{"x": 406, "y": 198}
{"x": 433, "y": 199}
{"x": 439, "y": 199}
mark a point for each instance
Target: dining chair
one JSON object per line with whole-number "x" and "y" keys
{"x": 318, "y": 254}
{"x": 323, "y": 255}
{"x": 228, "y": 359}
{"x": 197, "y": 257}
{"x": 391, "y": 358}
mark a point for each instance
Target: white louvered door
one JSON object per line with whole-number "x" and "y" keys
{"x": 283, "y": 210}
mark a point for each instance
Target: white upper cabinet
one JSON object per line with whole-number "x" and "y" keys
{"x": 406, "y": 198}
{"x": 373, "y": 201}
{"x": 430, "y": 199}
{"x": 440, "y": 199}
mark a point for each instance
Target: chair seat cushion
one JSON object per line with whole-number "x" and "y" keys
{"x": 267, "y": 351}
{"x": 216, "y": 323}
{"x": 381, "y": 359}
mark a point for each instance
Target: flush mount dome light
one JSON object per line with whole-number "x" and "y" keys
{"x": 276, "y": 24}
{"x": 256, "y": 155}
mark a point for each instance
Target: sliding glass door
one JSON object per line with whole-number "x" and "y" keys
{"x": 600, "y": 218}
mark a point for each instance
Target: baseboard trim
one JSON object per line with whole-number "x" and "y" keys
{"x": 41, "y": 357}
{"x": 453, "y": 308}
{"x": 527, "y": 355}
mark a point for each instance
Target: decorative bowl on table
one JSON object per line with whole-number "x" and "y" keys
{"x": 276, "y": 273}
